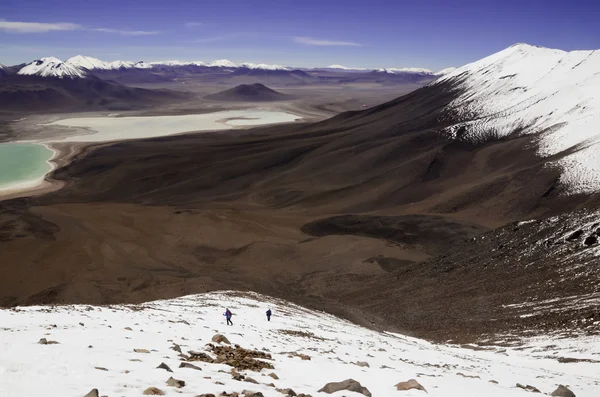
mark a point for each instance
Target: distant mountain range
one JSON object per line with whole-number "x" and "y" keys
{"x": 78, "y": 66}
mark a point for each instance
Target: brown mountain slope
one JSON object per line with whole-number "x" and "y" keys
{"x": 170, "y": 216}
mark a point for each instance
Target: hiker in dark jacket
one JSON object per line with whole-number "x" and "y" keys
{"x": 269, "y": 315}
{"x": 228, "y": 315}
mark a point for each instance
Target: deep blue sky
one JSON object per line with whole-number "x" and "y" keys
{"x": 368, "y": 33}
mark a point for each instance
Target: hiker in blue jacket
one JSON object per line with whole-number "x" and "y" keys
{"x": 269, "y": 315}
{"x": 228, "y": 315}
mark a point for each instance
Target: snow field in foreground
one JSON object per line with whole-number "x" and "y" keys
{"x": 69, "y": 367}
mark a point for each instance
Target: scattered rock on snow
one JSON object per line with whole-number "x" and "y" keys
{"x": 44, "y": 341}
{"x": 362, "y": 364}
{"x": 250, "y": 380}
{"x": 153, "y": 391}
{"x": 468, "y": 376}
{"x": 348, "y": 384}
{"x": 93, "y": 393}
{"x": 530, "y": 388}
{"x": 410, "y": 384}
{"x": 248, "y": 393}
{"x": 562, "y": 391}
{"x": 188, "y": 365}
{"x": 176, "y": 347}
{"x": 218, "y": 338}
{"x": 101, "y": 369}
{"x": 175, "y": 382}
{"x": 141, "y": 350}
{"x": 287, "y": 392}
{"x": 165, "y": 367}
{"x": 273, "y": 375}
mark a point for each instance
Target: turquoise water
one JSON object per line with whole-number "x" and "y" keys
{"x": 22, "y": 163}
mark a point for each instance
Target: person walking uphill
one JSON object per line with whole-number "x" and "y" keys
{"x": 228, "y": 315}
{"x": 269, "y": 315}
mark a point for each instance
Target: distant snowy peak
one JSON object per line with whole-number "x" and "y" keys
{"x": 263, "y": 66}
{"x": 342, "y": 67}
{"x": 88, "y": 63}
{"x": 534, "y": 90}
{"x": 445, "y": 71}
{"x": 177, "y": 63}
{"x": 52, "y": 67}
{"x": 120, "y": 65}
{"x": 142, "y": 65}
{"x": 222, "y": 63}
{"x": 409, "y": 70}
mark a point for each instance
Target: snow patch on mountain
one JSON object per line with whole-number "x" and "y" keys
{"x": 445, "y": 71}
{"x": 262, "y": 66}
{"x": 535, "y": 90}
{"x": 52, "y": 67}
{"x": 96, "y": 348}
{"x": 222, "y": 63}
{"x": 88, "y": 63}
{"x": 115, "y": 65}
{"x": 409, "y": 70}
{"x": 178, "y": 63}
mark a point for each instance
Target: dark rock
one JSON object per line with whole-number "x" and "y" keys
{"x": 176, "y": 347}
{"x": 44, "y": 341}
{"x": 273, "y": 375}
{"x": 287, "y": 392}
{"x": 188, "y": 365}
{"x": 530, "y": 388}
{"x": 153, "y": 391}
{"x": 562, "y": 391}
{"x": 348, "y": 384}
{"x": 575, "y": 235}
{"x": 93, "y": 393}
{"x": 362, "y": 364}
{"x": 250, "y": 380}
{"x": 141, "y": 350}
{"x": 175, "y": 382}
{"x": 218, "y": 338}
{"x": 206, "y": 395}
{"x": 410, "y": 384}
{"x": 248, "y": 393}
{"x": 468, "y": 376}
{"x": 591, "y": 240}
{"x": 165, "y": 367}
{"x": 101, "y": 368}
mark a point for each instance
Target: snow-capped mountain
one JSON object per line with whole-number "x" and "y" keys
{"x": 177, "y": 63}
{"x": 88, "y": 63}
{"x": 445, "y": 71}
{"x": 52, "y": 67}
{"x": 533, "y": 90}
{"x": 409, "y": 70}
{"x": 120, "y": 65}
{"x": 222, "y": 63}
{"x": 262, "y": 66}
{"x": 184, "y": 347}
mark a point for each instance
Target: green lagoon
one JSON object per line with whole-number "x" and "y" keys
{"x": 23, "y": 164}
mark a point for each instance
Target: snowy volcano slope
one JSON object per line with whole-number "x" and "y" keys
{"x": 532, "y": 90}
{"x": 96, "y": 350}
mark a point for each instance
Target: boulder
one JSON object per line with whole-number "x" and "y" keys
{"x": 248, "y": 393}
{"x": 562, "y": 391}
{"x": 175, "y": 382}
{"x": 141, "y": 350}
{"x": 530, "y": 388}
{"x": 153, "y": 391}
{"x": 188, "y": 365}
{"x": 250, "y": 380}
{"x": 45, "y": 341}
{"x": 218, "y": 338}
{"x": 273, "y": 375}
{"x": 410, "y": 384}
{"x": 362, "y": 364}
{"x": 165, "y": 367}
{"x": 176, "y": 347}
{"x": 287, "y": 392}
{"x": 93, "y": 393}
{"x": 348, "y": 384}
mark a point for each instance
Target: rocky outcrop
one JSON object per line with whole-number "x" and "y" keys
{"x": 93, "y": 393}
{"x": 175, "y": 383}
{"x": 153, "y": 391}
{"x": 165, "y": 367}
{"x": 218, "y": 338}
{"x": 562, "y": 391}
{"x": 409, "y": 385}
{"x": 348, "y": 384}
